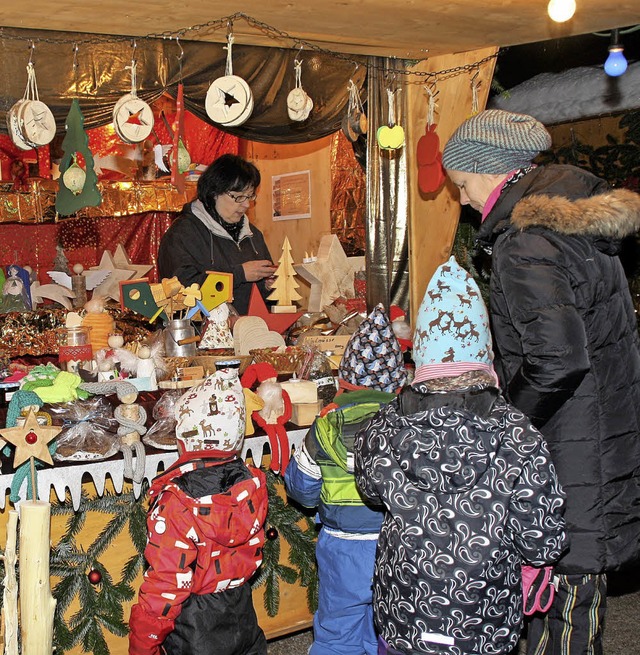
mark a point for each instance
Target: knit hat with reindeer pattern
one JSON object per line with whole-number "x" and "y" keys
{"x": 211, "y": 415}
{"x": 452, "y": 333}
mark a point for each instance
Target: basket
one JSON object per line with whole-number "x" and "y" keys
{"x": 208, "y": 362}
{"x": 285, "y": 360}
{"x": 171, "y": 364}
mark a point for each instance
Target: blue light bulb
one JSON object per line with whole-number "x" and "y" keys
{"x": 616, "y": 63}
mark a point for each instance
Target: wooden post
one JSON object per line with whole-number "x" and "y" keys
{"x": 37, "y": 605}
{"x": 10, "y": 593}
{"x": 433, "y": 219}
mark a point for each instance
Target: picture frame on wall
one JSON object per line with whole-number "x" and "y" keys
{"x": 291, "y": 196}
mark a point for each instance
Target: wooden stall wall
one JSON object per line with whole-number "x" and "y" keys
{"x": 304, "y": 233}
{"x": 433, "y": 218}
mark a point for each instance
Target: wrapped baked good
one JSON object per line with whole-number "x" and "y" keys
{"x": 89, "y": 432}
{"x": 162, "y": 434}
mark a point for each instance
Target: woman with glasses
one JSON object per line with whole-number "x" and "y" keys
{"x": 213, "y": 233}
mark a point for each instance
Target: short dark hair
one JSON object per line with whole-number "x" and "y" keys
{"x": 226, "y": 173}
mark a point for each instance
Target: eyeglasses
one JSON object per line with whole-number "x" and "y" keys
{"x": 241, "y": 198}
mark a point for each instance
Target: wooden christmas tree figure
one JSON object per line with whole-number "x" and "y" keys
{"x": 77, "y": 185}
{"x": 284, "y": 288}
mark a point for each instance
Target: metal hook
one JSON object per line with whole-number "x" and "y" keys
{"x": 474, "y": 77}
{"x": 181, "y": 55}
{"x": 134, "y": 45}
{"x": 229, "y": 28}
{"x": 75, "y": 57}
{"x": 32, "y": 47}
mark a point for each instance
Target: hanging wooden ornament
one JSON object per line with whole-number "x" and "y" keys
{"x": 179, "y": 163}
{"x": 29, "y": 121}
{"x": 132, "y": 117}
{"x": 299, "y": 104}
{"x": 74, "y": 177}
{"x": 430, "y": 171}
{"x": 354, "y": 123}
{"x": 229, "y": 100}
{"x": 76, "y": 142}
{"x": 391, "y": 136}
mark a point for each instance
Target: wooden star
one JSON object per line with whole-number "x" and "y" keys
{"x": 277, "y": 322}
{"x": 31, "y": 440}
{"x": 110, "y": 288}
{"x": 121, "y": 258}
{"x": 330, "y": 274}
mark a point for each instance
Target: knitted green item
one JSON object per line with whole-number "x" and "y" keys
{"x": 21, "y": 399}
{"x": 64, "y": 388}
{"x": 40, "y": 376}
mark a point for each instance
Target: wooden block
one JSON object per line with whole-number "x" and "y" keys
{"x": 284, "y": 309}
{"x": 304, "y": 413}
{"x": 190, "y": 372}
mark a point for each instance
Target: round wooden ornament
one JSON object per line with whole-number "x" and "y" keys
{"x": 37, "y": 122}
{"x": 133, "y": 119}
{"x": 13, "y": 127}
{"x": 229, "y": 101}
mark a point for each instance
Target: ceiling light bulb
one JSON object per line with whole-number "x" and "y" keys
{"x": 561, "y": 10}
{"x": 616, "y": 63}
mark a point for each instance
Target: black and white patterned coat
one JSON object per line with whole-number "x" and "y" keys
{"x": 470, "y": 493}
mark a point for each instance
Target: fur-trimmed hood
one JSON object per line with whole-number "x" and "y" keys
{"x": 615, "y": 214}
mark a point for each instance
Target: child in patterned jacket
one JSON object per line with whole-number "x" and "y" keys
{"x": 469, "y": 490}
{"x": 205, "y": 534}
{"x": 320, "y": 475}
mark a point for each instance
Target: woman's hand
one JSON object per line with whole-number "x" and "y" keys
{"x": 258, "y": 269}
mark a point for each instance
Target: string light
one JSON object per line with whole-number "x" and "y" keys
{"x": 616, "y": 63}
{"x": 561, "y": 10}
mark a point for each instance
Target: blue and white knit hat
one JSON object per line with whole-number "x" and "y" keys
{"x": 373, "y": 357}
{"x": 495, "y": 141}
{"x": 452, "y": 333}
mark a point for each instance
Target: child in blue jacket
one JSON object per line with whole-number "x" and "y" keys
{"x": 321, "y": 475}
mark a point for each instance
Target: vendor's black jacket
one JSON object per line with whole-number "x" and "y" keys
{"x": 188, "y": 249}
{"x": 568, "y": 353}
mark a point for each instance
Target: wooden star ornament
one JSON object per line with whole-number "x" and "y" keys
{"x": 31, "y": 440}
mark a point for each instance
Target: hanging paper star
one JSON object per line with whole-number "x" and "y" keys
{"x": 277, "y": 322}
{"x": 31, "y": 440}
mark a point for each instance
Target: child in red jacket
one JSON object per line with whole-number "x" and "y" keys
{"x": 205, "y": 535}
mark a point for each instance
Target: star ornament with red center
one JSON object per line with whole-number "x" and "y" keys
{"x": 31, "y": 440}
{"x": 135, "y": 118}
{"x": 279, "y": 323}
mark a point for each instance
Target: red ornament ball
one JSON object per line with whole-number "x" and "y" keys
{"x": 271, "y": 534}
{"x": 95, "y": 577}
{"x": 31, "y": 438}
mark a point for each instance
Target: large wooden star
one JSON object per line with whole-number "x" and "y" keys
{"x": 121, "y": 259}
{"x": 31, "y": 440}
{"x": 110, "y": 288}
{"x": 277, "y": 322}
{"x": 330, "y": 274}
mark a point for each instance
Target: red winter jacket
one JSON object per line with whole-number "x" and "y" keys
{"x": 198, "y": 543}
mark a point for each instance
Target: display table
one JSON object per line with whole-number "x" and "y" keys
{"x": 73, "y": 483}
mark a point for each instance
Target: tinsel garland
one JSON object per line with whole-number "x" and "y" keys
{"x": 101, "y": 605}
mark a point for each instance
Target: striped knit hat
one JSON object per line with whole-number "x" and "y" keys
{"x": 452, "y": 333}
{"x": 373, "y": 357}
{"x": 495, "y": 142}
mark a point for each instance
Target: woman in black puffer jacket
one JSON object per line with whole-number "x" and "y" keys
{"x": 568, "y": 353}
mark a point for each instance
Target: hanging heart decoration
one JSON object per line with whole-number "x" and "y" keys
{"x": 229, "y": 100}
{"x": 299, "y": 104}
{"x": 430, "y": 172}
{"x": 132, "y": 117}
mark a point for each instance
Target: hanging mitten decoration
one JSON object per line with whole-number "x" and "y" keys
{"x": 391, "y": 136}
{"x": 229, "y": 100}
{"x": 430, "y": 171}
{"x": 132, "y": 117}
{"x": 29, "y": 121}
{"x": 299, "y": 104}
{"x": 79, "y": 188}
{"x": 354, "y": 122}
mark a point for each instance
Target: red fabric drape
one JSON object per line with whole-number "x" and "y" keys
{"x": 83, "y": 240}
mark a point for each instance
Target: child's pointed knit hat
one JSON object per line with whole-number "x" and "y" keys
{"x": 452, "y": 333}
{"x": 373, "y": 357}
